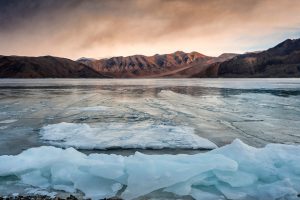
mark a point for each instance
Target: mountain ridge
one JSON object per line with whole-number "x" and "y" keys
{"x": 44, "y": 67}
{"x": 153, "y": 66}
{"x": 282, "y": 60}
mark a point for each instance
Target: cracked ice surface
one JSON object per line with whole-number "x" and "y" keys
{"x": 141, "y": 135}
{"x": 235, "y": 171}
{"x": 257, "y": 111}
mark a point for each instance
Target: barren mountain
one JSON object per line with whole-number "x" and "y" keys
{"x": 44, "y": 67}
{"x": 196, "y": 68}
{"x": 166, "y": 65}
{"x": 282, "y": 60}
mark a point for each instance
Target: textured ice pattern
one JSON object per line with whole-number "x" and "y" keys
{"x": 235, "y": 171}
{"x": 121, "y": 135}
{"x": 257, "y": 111}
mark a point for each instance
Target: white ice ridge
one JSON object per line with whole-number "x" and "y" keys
{"x": 235, "y": 171}
{"x": 8, "y": 121}
{"x": 121, "y": 135}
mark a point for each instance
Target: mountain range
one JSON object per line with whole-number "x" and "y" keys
{"x": 282, "y": 60}
{"x": 44, "y": 67}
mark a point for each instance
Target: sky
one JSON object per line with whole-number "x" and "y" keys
{"x": 106, "y": 28}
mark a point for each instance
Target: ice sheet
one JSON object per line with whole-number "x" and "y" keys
{"x": 257, "y": 111}
{"x": 235, "y": 171}
{"x": 142, "y": 135}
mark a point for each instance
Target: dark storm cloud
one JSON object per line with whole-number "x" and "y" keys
{"x": 72, "y": 28}
{"x": 14, "y": 13}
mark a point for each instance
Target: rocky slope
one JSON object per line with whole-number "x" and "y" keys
{"x": 145, "y": 66}
{"x": 196, "y": 68}
{"x": 166, "y": 65}
{"x": 44, "y": 67}
{"x": 282, "y": 60}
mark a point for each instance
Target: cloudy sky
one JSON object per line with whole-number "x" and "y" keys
{"x": 104, "y": 28}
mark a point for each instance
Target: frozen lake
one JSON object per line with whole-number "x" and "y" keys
{"x": 150, "y": 115}
{"x": 184, "y": 117}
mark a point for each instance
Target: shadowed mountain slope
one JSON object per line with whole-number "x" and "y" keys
{"x": 44, "y": 67}
{"x": 282, "y": 60}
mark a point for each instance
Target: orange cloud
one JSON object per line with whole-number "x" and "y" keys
{"x": 100, "y": 28}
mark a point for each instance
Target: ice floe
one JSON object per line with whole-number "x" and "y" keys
{"x": 123, "y": 135}
{"x": 235, "y": 171}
